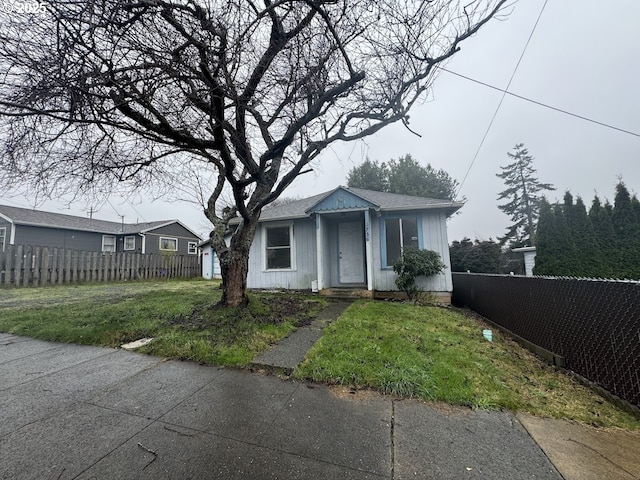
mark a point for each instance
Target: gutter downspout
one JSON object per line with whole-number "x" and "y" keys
{"x": 144, "y": 242}
{"x": 12, "y": 237}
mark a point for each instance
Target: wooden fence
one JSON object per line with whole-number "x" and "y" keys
{"x": 33, "y": 266}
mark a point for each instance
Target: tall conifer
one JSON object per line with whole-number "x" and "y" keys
{"x": 523, "y": 195}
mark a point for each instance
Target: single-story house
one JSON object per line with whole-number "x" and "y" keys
{"x": 22, "y": 226}
{"x": 210, "y": 263}
{"x": 348, "y": 238}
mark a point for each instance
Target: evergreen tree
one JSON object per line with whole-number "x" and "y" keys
{"x": 635, "y": 205}
{"x": 586, "y": 249}
{"x": 457, "y": 252}
{"x": 484, "y": 257}
{"x": 405, "y": 176}
{"x": 408, "y": 177}
{"x": 627, "y": 229}
{"x": 600, "y": 216}
{"x": 369, "y": 175}
{"x": 546, "y": 255}
{"x": 475, "y": 257}
{"x": 605, "y": 243}
{"x": 523, "y": 195}
{"x": 565, "y": 246}
{"x": 623, "y": 213}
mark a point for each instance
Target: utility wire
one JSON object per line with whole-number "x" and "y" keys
{"x": 504, "y": 94}
{"x": 613, "y": 127}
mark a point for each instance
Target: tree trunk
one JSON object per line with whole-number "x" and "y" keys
{"x": 234, "y": 264}
{"x": 234, "y": 279}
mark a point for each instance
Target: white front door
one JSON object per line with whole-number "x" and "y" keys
{"x": 350, "y": 253}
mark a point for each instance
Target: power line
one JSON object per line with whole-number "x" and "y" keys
{"x": 495, "y": 114}
{"x": 566, "y": 112}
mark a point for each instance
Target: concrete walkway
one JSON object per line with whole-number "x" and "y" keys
{"x": 289, "y": 352}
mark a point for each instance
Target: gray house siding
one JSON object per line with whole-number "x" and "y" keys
{"x": 432, "y": 228}
{"x": 55, "y": 237}
{"x": 303, "y": 272}
{"x": 341, "y": 240}
{"x": 173, "y": 231}
{"x": 434, "y": 237}
{"x": 5, "y": 233}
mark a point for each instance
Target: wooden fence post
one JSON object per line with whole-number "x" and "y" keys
{"x": 8, "y": 264}
{"x": 37, "y": 266}
{"x": 27, "y": 264}
{"x": 46, "y": 265}
{"x": 19, "y": 260}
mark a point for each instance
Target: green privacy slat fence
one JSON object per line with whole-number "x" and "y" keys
{"x": 33, "y": 266}
{"x": 593, "y": 324}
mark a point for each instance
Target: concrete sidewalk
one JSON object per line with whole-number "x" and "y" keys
{"x": 69, "y": 411}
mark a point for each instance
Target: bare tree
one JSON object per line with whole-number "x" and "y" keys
{"x": 100, "y": 93}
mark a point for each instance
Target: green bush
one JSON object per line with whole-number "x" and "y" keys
{"x": 415, "y": 263}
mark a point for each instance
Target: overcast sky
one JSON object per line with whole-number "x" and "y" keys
{"x": 583, "y": 57}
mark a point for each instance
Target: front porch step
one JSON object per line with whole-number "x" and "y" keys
{"x": 346, "y": 293}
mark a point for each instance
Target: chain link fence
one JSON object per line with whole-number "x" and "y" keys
{"x": 593, "y": 324}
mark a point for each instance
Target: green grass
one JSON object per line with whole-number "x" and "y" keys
{"x": 430, "y": 353}
{"x": 437, "y": 354}
{"x": 179, "y": 315}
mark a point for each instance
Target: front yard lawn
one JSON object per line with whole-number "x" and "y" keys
{"x": 439, "y": 354}
{"x": 430, "y": 353}
{"x": 179, "y": 315}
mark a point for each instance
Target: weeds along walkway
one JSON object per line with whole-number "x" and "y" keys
{"x": 287, "y": 354}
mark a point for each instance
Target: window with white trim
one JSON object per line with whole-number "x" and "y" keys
{"x": 192, "y": 248}
{"x": 130, "y": 243}
{"x": 278, "y": 247}
{"x": 399, "y": 233}
{"x": 169, "y": 244}
{"x": 108, "y": 243}
{"x": 3, "y": 238}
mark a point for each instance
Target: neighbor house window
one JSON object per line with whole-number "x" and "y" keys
{"x": 108, "y": 243}
{"x": 279, "y": 247}
{"x": 399, "y": 233}
{"x": 129, "y": 243}
{"x": 3, "y": 236}
{"x": 169, "y": 244}
{"x": 192, "y": 248}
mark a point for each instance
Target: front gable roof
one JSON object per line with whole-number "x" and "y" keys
{"x": 38, "y": 218}
{"x": 354, "y": 199}
{"x": 341, "y": 199}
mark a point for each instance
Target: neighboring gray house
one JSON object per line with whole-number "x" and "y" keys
{"x": 22, "y": 226}
{"x": 348, "y": 238}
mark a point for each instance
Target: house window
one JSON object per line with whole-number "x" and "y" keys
{"x": 169, "y": 244}
{"x": 108, "y": 243}
{"x": 3, "y": 236}
{"x": 399, "y": 233}
{"x": 279, "y": 247}
{"x": 130, "y": 243}
{"x": 192, "y": 248}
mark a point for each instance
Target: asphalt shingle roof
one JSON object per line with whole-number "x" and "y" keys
{"x": 383, "y": 200}
{"x": 25, "y": 216}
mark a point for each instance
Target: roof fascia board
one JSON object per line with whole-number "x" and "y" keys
{"x": 168, "y": 222}
{"x": 321, "y": 199}
{"x": 60, "y": 227}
